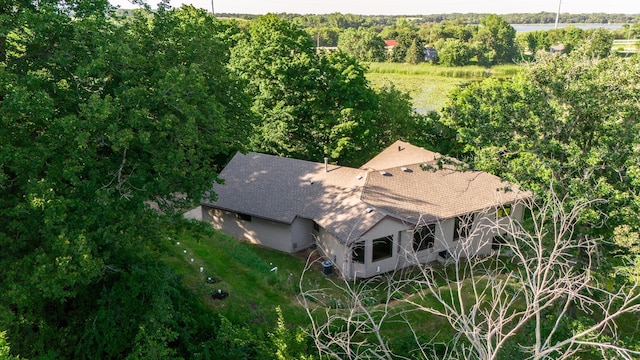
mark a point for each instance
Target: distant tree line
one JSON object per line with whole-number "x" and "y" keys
{"x": 345, "y": 21}
{"x": 454, "y": 39}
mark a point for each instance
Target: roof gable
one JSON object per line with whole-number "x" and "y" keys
{"x": 413, "y": 193}
{"x": 400, "y": 153}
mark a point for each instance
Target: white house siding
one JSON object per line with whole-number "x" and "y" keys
{"x": 335, "y": 251}
{"x": 485, "y": 227}
{"x": 302, "y": 234}
{"x": 386, "y": 227}
{"x": 257, "y": 231}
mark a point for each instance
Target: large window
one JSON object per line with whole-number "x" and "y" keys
{"x": 357, "y": 253}
{"x": 424, "y": 237}
{"x": 463, "y": 226}
{"x": 382, "y": 248}
{"x": 503, "y": 211}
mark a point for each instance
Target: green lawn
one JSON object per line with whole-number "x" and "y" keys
{"x": 245, "y": 272}
{"x": 429, "y": 85}
{"x": 427, "y": 92}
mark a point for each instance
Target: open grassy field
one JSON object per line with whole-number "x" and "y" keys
{"x": 429, "y": 85}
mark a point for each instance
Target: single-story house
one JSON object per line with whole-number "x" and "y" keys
{"x": 401, "y": 208}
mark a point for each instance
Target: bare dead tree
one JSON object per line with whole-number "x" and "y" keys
{"x": 534, "y": 282}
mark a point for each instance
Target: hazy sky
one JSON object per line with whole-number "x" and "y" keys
{"x": 405, "y": 7}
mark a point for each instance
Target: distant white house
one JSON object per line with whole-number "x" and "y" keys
{"x": 397, "y": 209}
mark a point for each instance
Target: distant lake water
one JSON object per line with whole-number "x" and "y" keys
{"x": 584, "y": 26}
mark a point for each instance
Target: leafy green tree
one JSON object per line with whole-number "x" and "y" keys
{"x": 324, "y": 36}
{"x": 363, "y": 44}
{"x": 280, "y": 66}
{"x": 99, "y": 117}
{"x": 308, "y": 106}
{"x": 455, "y": 29}
{"x": 533, "y": 41}
{"x": 569, "y": 121}
{"x": 496, "y": 39}
{"x": 5, "y": 349}
{"x": 415, "y": 53}
{"x": 453, "y": 52}
{"x": 598, "y": 44}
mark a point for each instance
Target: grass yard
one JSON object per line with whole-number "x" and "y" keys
{"x": 429, "y": 85}
{"x": 427, "y": 92}
{"x": 242, "y": 270}
{"x": 255, "y": 289}
{"x": 245, "y": 272}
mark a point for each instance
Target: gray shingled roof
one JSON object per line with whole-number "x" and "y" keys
{"x": 282, "y": 189}
{"x": 400, "y": 153}
{"x": 413, "y": 193}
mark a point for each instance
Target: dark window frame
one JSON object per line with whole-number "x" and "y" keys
{"x": 424, "y": 237}
{"x": 244, "y": 217}
{"x": 382, "y": 248}
{"x": 463, "y": 226}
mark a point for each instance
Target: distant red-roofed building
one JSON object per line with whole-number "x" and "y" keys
{"x": 390, "y": 43}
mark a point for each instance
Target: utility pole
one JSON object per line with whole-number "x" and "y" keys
{"x": 558, "y": 14}
{"x": 212, "y": 11}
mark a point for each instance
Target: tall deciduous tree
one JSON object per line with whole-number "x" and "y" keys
{"x": 308, "y": 105}
{"x": 496, "y": 41}
{"x": 279, "y": 63}
{"x": 566, "y": 120}
{"x": 453, "y": 52}
{"x": 97, "y": 118}
{"x": 598, "y": 43}
{"x": 363, "y": 44}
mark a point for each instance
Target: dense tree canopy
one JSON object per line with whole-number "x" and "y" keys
{"x": 570, "y": 121}
{"x": 311, "y": 105}
{"x": 98, "y": 118}
{"x": 453, "y": 52}
{"x": 363, "y": 44}
{"x": 495, "y": 41}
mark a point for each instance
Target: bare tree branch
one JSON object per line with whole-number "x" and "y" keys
{"x": 538, "y": 281}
